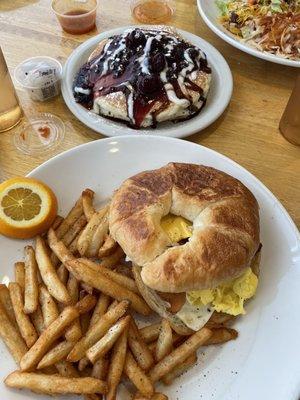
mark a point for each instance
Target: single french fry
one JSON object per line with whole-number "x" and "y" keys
{"x": 105, "y": 285}
{"x": 48, "y": 305}
{"x": 96, "y": 331}
{"x": 38, "y": 320}
{"x": 92, "y": 236}
{"x": 74, "y": 230}
{"x": 86, "y": 304}
{"x": 74, "y": 333}
{"x": 139, "y": 348}
{"x": 83, "y": 363}
{"x": 56, "y": 354}
{"x": 108, "y": 247}
{"x": 48, "y": 273}
{"x": 7, "y": 305}
{"x": 137, "y": 376}
{"x": 58, "y": 220}
{"x": 54, "y": 384}
{"x": 59, "y": 249}
{"x": 100, "y": 348}
{"x": 164, "y": 343}
{"x": 11, "y": 336}
{"x": 100, "y": 308}
{"x": 70, "y": 219}
{"x": 179, "y": 369}
{"x": 116, "y": 365}
{"x": 69, "y": 236}
{"x": 31, "y": 290}
{"x": 67, "y": 369}
{"x": 100, "y": 368}
{"x": 27, "y": 329}
{"x": 63, "y": 274}
{"x": 87, "y": 203}
{"x": 113, "y": 260}
{"x": 179, "y": 354}
{"x": 73, "y": 288}
{"x": 151, "y": 332}
{"x": 112, "y": 305}
{"x": 20, "y": 274}
{"x": 220, "y": 318}
{"x": 221, "y": 335}
{"x": 122, "y": 280}
{"x": 47, "y": 338}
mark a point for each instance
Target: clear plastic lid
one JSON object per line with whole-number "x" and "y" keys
{"x": 40, "y": 133}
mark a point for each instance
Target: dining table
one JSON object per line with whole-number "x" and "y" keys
{"x": 247, "y": 132}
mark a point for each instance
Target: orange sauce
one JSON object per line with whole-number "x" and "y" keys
{"x": 78, "y": 21}
{"x": 152, "y": 12}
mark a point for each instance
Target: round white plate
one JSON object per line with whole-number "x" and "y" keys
{"x": 263, "y": 363}
{"x": 210, "y": 14}
{"x": 218, "y": 98}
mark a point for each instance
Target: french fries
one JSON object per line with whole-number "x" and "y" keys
{"x": 68, "y": 326}
{"x": 221, "y": 335}
{"x": 48, "y": 273}
{"x": 20, "y": 274}
{"x": 70, "y": 219}
{"x": 11, "y": 336}
{"x": 47, "y": 338}
{"x": 56, "y": 354}
{"x": 151, "y": 332}
{"x": 100, "y": 308}
{"x": 7, "y": 305}
{"x": 92, "y": 236}
{"x": 113, "y": 260}
{"x": 100, "y": 348}
{"x": 38, "y": 320}
{"x": 31, "y": 290}
{"x": 137, "y": 376}
{"x": 181, "y": 353}
{"x": 122, "y": 280}
{"x": 58, "y": 220}
{"x": 100, "y": 368}
{"x": 53, "y": 384}
{"x": 165, "y": 341}
{"x": 87, "y": 203}
{"x": 179, "y": 369}
{"x": 108, "y": 247}
{"x": 116, "y": 365}
{"x": 48, "y": 306}
{"x": 26, "y": 327}
{"x": 66, "y": 369}
{"x": 105, "y": 285}
{"x": 97, "y": 331}
{"x": 139, "y": 348}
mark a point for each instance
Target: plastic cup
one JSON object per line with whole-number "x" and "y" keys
{"x": 76, "y": 16}
{"x": 40, "y": 77}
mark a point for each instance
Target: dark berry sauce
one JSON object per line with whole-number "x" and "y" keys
{"x": 150, "y": 67}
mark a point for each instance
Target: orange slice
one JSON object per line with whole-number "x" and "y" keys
{"x": 27, "y": 207}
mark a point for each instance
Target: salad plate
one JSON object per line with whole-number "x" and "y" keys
{"x": 266, "y": 29}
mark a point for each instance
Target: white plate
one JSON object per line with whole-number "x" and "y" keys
{"x": 263, "y": 363}
{"x": 210, "y": 13}
{"x": 218, "y": 98}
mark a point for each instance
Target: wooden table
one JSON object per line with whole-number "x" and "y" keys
{"x": 247, "y": 132}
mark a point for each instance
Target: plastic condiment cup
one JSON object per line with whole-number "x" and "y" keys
{"x": 40, "y": 77}
{"x": 76, "y": 16}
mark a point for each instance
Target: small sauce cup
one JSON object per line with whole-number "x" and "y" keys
{"x": 76, "y": 16}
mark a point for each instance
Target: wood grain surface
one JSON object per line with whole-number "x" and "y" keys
{"x": 247, "y": 132}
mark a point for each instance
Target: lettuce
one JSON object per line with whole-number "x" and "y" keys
{"x": 222, "y": 5}
{"x": 276, "y": 6}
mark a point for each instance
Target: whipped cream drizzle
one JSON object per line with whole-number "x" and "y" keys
{"x": 152, "y": 68}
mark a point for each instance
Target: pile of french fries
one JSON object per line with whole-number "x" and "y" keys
{"x": 68, "y": 318}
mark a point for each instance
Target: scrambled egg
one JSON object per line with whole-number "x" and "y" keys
{"x": 228, "y": 297}
{"x": 177, "y": 228}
